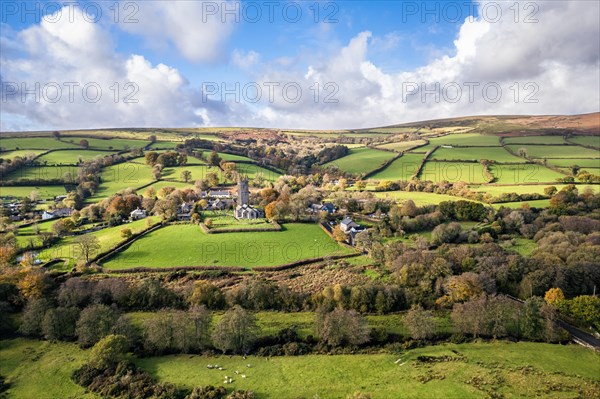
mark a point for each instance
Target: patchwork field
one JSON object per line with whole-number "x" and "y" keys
{"x": 187, "y": 245}
{"x": 20, "y": 153}
{"x": 556, "y": 151}
{"x": 497, "y": 367}
{"x": 535, "y": 140}
{"x": 69, "y": 157}
{"x": 40, "y": 173}
{"x": 593, "y": 141}
{"x": 361, "y": 160}
{"x": 543, "y": 203}
{"x": 41, "y": 370}
{"x": 45, "y": 192}
{"x": 402, "y": 145}
{"x": 568, "y": 162}
{"x": 532, "y": 189}
{"x": 466, "y": 139}
{"x": 471, "y": 172}
{"x": 524, "y": 174}
{"x": 121, "y": 176}
{"x": 400, "y": 169}
{"x": 108, "y": 238}
{"x": 496, "y": 154}
{"x": 419, "y": 198}
{"x": 110, "y": 144}
{"x": 41, "y": 143}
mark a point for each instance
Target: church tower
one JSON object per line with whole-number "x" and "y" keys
{"x": 243, "y": 192}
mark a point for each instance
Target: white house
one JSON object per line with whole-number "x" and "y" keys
{"x": 138, "y": 214}
{"x": 347, "y": 225}
{"x": 47, "y": 215}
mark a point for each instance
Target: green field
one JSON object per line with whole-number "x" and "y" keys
{"x": 167, "y": 183}
{"x": 471, "y": 172}
{"x": 40, "y": 173}
{"x": 402, "y": 145}
{"x": 466, "y": 139}
{"x": 187, "y": 245}
{"x": 69, "y": 157}
{"x": 523, "y": 174}
{"x": 361, "y": 160}
{"x": 109, "y": 144}
{"x": 252, "y": 170}
{"x": 593, "y": 141}
{"x": 568, "y": 162}
{"x": 199, "y": 171}
{"x": 225, "y": 221}
{"x": 108, "y": 238}
{"x": 41, "y": 143}
{"x": 400, "y": 169}
{"x": 166, "y": 144}
{"x": 121, "y": 176}
{"x": 41, "y": 370}
{"x": 535, "y": 140}
{"x": 45, "y": 192}
{"x": 419, "y": 198}
{"x": 20, "y": 153}
{"x": 498, "y": 366}
{"x": 496, "y": 154}
{"x": 543, "y": 203}
{"x": 556, "y": 151}
{"x": 232, "y": 157}
{"x": 523, "y": 189}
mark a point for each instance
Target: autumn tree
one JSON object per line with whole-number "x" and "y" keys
{"x": 214, "y": 159}
{"x": 84, "y": 143}
{"x": 109, "y": 351}
{"x": 554, "y": 296}
{"x": 338, "y": 234}
{"x": 208, "y": 294}
{"x": 95, "y": 322}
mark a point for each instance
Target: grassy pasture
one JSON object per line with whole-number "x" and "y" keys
{"x": 557, "y": 151}
{"x": 593, "y": 141}
{"x": 523, "y": 189}
{"x": 568, "y": 162}
{"x": 199, "y": 171}
{"x": 167, "y": 183}
{"x": 187, "y": 245}
{"x": 224, "y": 221}
{"x": 108, "y": 238}
{"x": 19, "y": 153}
{"x": 361, "y": 160}
{"x": 231, "y": 157}
{"x": 419, "y": 198}
{"x": 110, "y": 144}
{"x": 453, "y": 172}
{"x": 522, "y": 174}
{"x": 400, "y": 169}
{"x": 543, "y": 203}
{"x": 121, "y": 176}
{"x": 46, "y": 192}
{"x": 166, "y": 144}
{"x": 402, "y": 145}
{"x": 68, "y": 157}
{"x": 466, "y": 139}
{"x": 558, "y": 140}
{"x": 41, "y": 143}
{"x": 251, "y": 170}
{"x": 498, "y": 365}
{"x": 41, "y": 173}
{"x": 497, "y": 154}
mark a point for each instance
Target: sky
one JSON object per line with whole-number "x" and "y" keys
{"x": 292, "y": 64}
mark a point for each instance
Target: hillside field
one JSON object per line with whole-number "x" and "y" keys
{"x": 187, "y": 245}
{"x": 361, "y": 160}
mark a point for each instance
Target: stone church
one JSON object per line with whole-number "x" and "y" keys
{"x": 244, "y": 210}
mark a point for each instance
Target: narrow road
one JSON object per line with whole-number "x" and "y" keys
{"x": 578, "y": 336}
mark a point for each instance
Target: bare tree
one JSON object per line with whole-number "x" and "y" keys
{"x": 87, "y": 245}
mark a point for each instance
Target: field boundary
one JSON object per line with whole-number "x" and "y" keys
{"x": 384, "y": 165}
{"x": 124, "y": 244}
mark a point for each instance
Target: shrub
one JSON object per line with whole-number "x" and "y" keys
{"x": 109, "y": 351}
{"x": 95, "y": 322}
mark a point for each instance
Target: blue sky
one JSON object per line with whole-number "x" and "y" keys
{"x": 369, "y": 52}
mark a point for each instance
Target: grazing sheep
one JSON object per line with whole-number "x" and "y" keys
{"x": 243, "y": 375}
{"x": 248, "y": 365}
{"x": 220, "y": 368}
{"x": 236, "y": 372}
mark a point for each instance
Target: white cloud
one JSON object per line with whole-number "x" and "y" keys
{"x": 198, "y": 29}
{"x": 82, "y": 53}
{"x": 245, "y": 60}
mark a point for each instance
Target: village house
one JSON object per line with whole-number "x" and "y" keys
{"x": 326, "y": 207}
{"x": 138, "y": 214}
{"x": 184, "y": 211}
{"x": 57, "y": 213}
